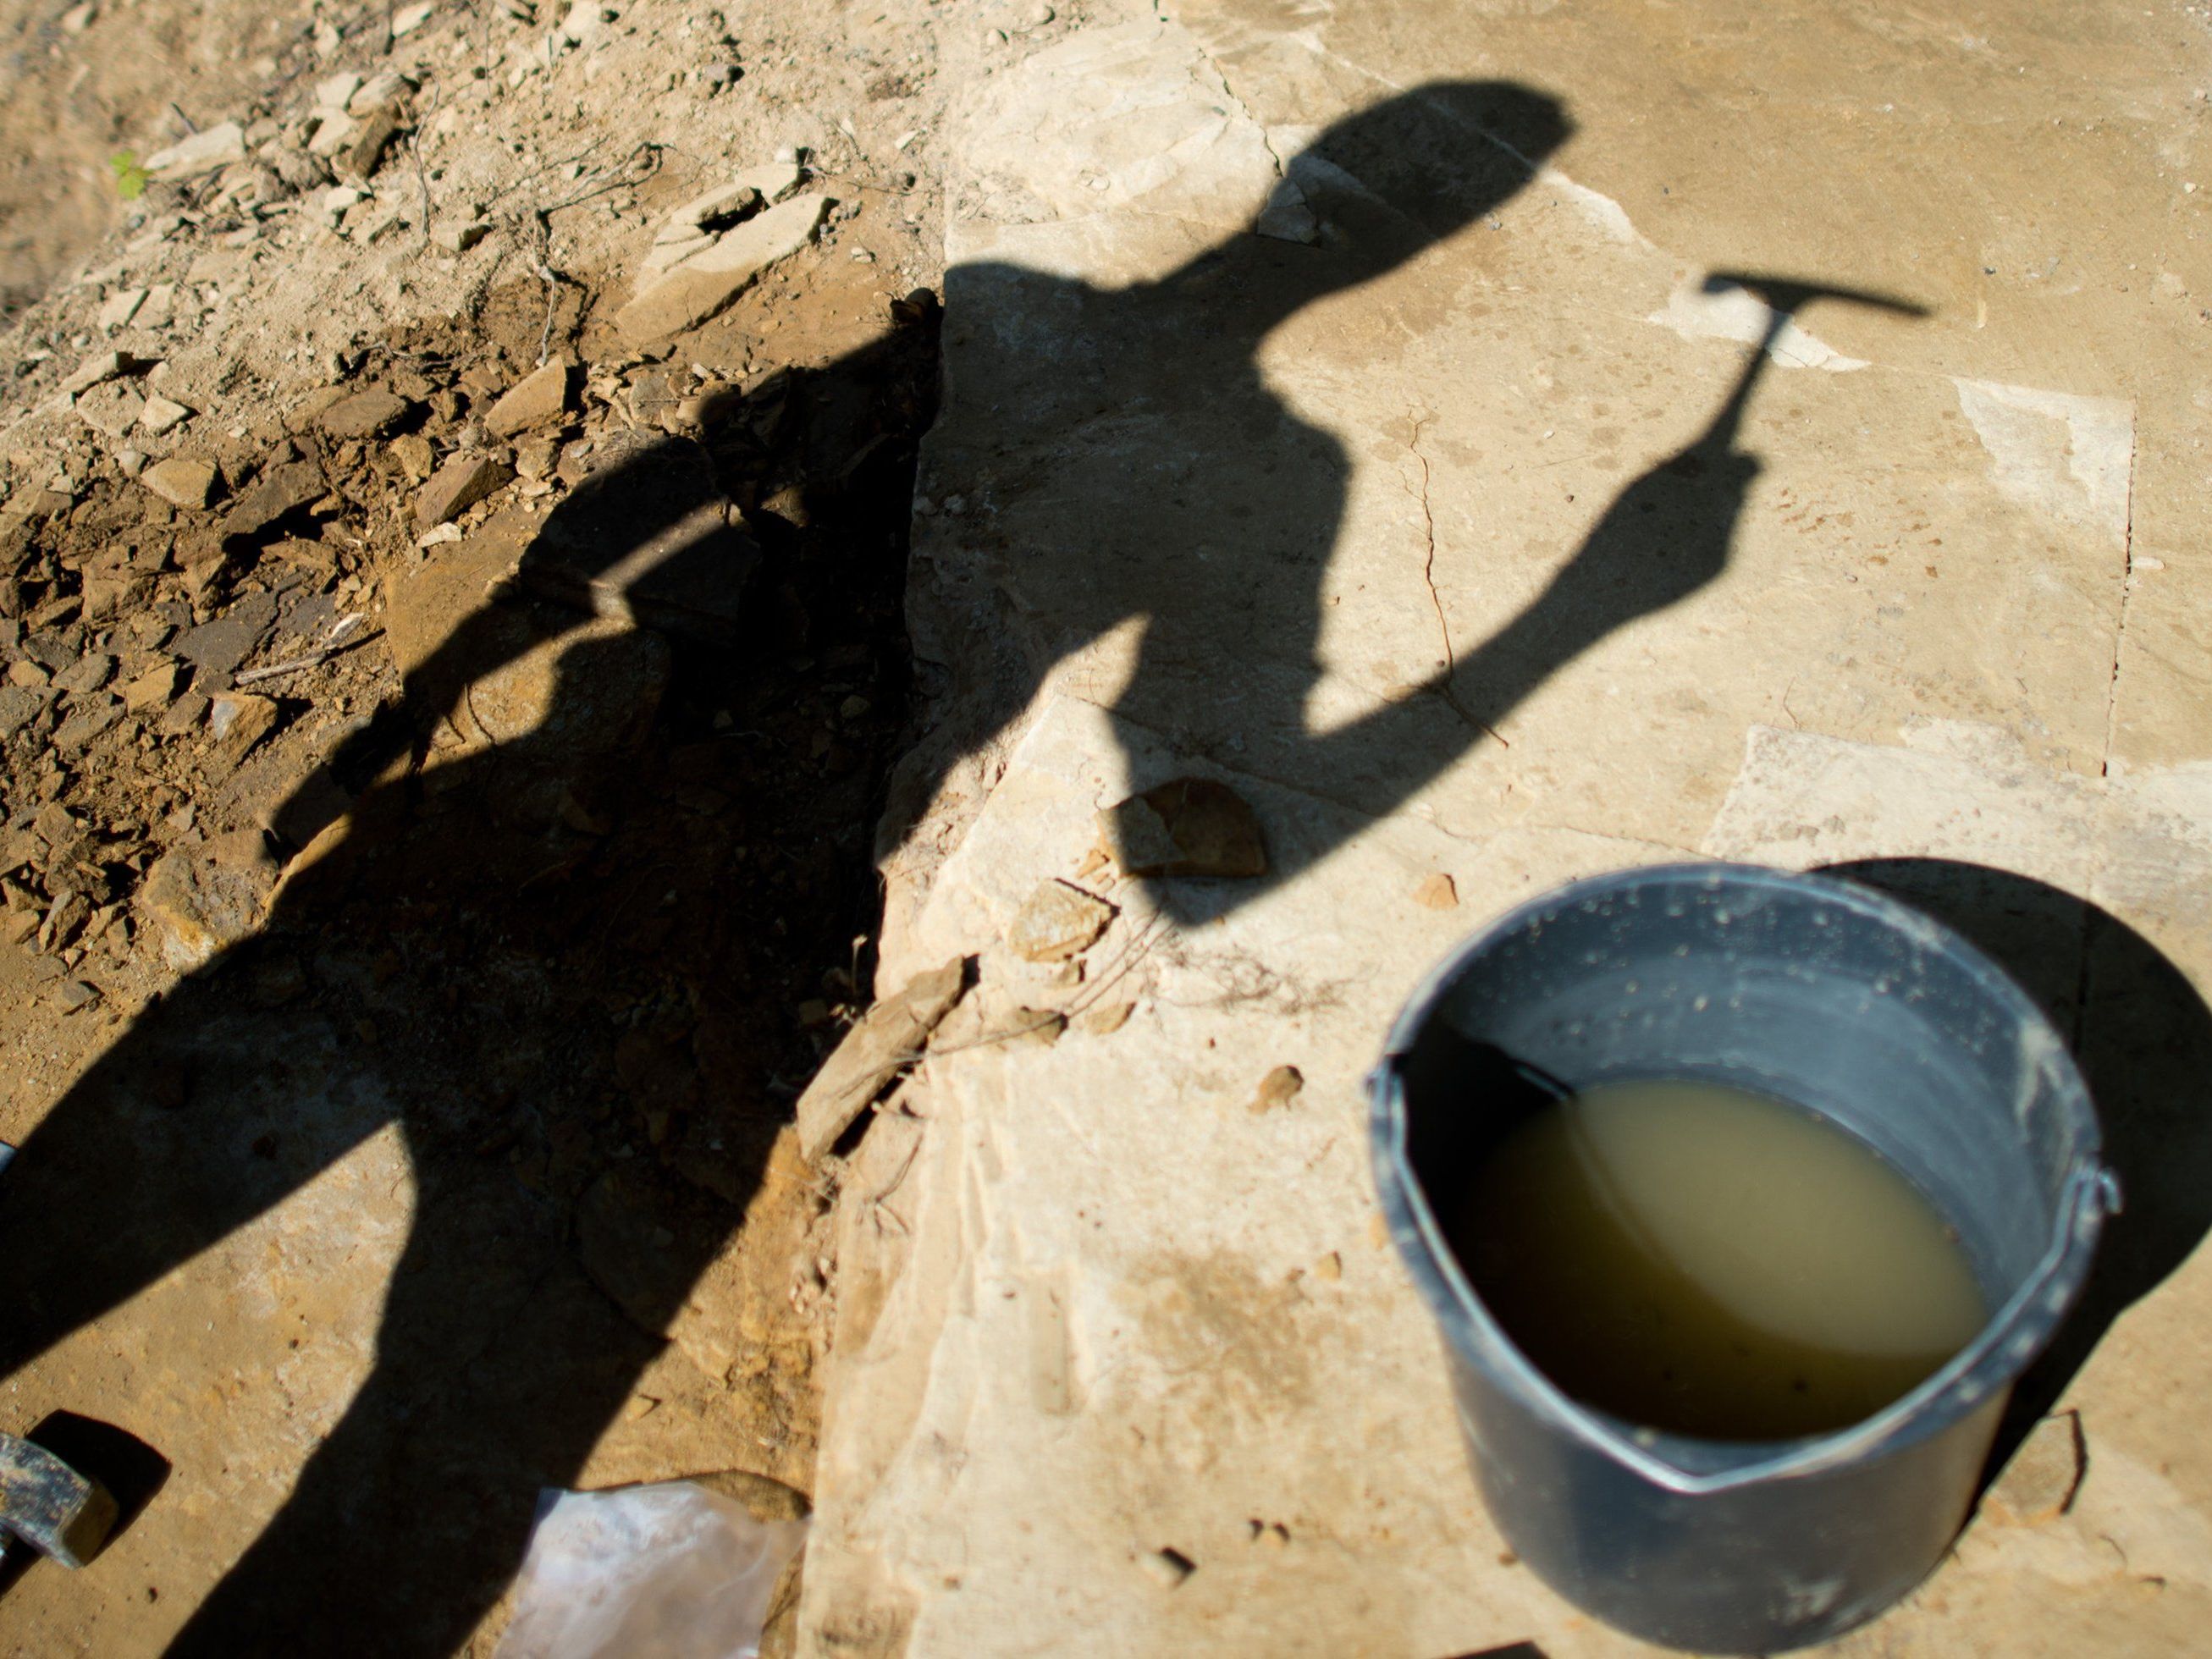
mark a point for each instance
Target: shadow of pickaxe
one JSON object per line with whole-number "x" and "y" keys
{"x": 1784, "y": 296}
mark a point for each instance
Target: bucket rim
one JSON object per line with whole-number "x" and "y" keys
{"x": 2007, "y": 1343}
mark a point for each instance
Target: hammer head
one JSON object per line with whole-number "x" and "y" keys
{"x": 1785, "y": 294}
{"x": 49, "y": 1505}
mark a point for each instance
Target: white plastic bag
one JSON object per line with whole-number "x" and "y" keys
{"x": 669, "y": 1570}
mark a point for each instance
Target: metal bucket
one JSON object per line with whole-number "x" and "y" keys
{"x": 1804, "y": 988}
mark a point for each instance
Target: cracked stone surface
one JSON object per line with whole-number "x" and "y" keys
{"x": 1531, "y": 506}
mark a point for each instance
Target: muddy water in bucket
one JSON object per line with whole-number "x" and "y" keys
{"x": 1701, "y": 1260}
{"x": 1781, "y": 1242}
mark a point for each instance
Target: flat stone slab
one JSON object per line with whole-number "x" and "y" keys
{"x": 1479, "y": 481}
{"x": 702, "y": 285}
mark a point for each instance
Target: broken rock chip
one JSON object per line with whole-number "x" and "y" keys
{"x": 702, "y": 285}
{"x": 537, "y": 399}
{"x": 2038, "y": 1485}
{"x": 204, "y": 152}
{"x": 888, "y": 1039}
{"x": 1278, "y": 1088}
{"x": 181, "y": 482}
{"x": 161, "y": 413}
{"x": 368, "y": 414}
{"x": 282, "y": 492}
{"x": 103, "y": 366}
{"x": 1191, "y": 826}
{"x": 203, "y": 898}
{"x": 1058, "y": 921}
{"x": 88, "y": 718}
{"x": 238, "y": 719}
{"x": 458, "y": 486}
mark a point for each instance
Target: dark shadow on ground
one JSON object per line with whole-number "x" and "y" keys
{"x": 2143, "y": 1037}
{"x": 569, "y": 967}
{"x": 549, "y": 885}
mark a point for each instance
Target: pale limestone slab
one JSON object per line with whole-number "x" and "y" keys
{"x": 1499, "y": 545}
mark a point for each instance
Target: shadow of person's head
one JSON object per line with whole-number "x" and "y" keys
{"x": 1382, "y": 185}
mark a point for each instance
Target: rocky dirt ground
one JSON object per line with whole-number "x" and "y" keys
{"x": 452, "y": 541}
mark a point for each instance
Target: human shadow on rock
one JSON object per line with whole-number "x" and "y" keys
{"x": 1213, "y": 514}
{"x": 586, "y": 876}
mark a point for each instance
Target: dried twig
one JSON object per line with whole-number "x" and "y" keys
{"x": 313, "y": 659}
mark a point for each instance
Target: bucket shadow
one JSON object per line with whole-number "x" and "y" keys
{"x": 2143, "y": 1037}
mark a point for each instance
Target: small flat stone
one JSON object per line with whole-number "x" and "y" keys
{"x": 413, "y": 453}
{"x": 1057, "y": 921}
{"x": 18, "y": 706}
{"x": 537, "y": 399}
{"x": 111, "y": 409}
{"x": 1437, "y": 892}
{"x": 184, "y": 713}
{"x": 368, "y": 414}
{"x": 156, "y": 687}
{"x": 88, "y": 721}
{"x": 457, "y": 236}
{"x": 458, "y": 486}
{"x": 1278, "y": 1088}
{"x": 382, "y": 90}
{"x": 162, "y": 414}
{"x": 702, "y": 285}
{"x": 217, "y": 647}
{"x": 332, "y": 92}
{"x": 282, "y": 491}
{"x": 204, "y": 152}
{"x": 101, "y": 365}
{"x": 888, "y": 1039}
{"x": 120, "y": 308}
{"x": 2038, "y": 1485}
{"x": 87, "y": 673}
{"x": 181, "y": 482}
{"x": 364, "y": 152}
{"x": 238, "y": 719}
{"x": 75, "y": 994}
{"x": 202, "y": 899}
{"x": 1191, "y": 826}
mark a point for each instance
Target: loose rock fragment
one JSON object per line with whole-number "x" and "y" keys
{"x": 1437, "y": 892}
{"x": 2038, "y": 1485}
{"x": 156, "y": 687}
{"x": 86, "y": 721}
{"x": 217, "y": 648}
{"x": 161, "y": 413}
{"x": 536, "y": 400}
{"x": 205, "y": 898}
{"x": 18, "y": 705}
{"x": 701, "y": 285}
{"x": 458, "y": 486}
{"x": 282, "y": 491}
{"x": 888, "y": 1039}
{"x": 204, "y": 152}
{"x": 181, "y": 480}
{"x": 365, "y": 150}
{"x": 365, "y": 415}
{"x": 238, "y": 720}
{"x": 1278, "y": 1088}
{"x": 1191, "y": 826}
{"x": 120, "y": 308}
{"x": 1057, "y": 921}
{"x": 102, "y": 365}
